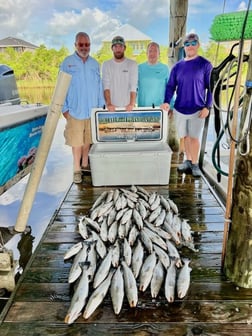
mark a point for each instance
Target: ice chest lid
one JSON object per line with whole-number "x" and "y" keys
{"x": 141, "y": 124}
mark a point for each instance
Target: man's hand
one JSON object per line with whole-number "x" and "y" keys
{"x": 204, "y": 113}
{"x": 111, "y": 107}
{"x": 65, "y": 114}
{"x": 165, "y": 106}
{"x": 129, "y": 107}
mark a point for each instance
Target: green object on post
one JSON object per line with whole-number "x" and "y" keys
{"x": 228, "y": 27}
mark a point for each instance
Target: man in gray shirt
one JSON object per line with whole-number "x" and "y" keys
{"x": 119, "y": 76}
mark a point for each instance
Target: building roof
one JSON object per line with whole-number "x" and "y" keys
{"x": 15, "y": 42}
{"x": 129, "y": 33}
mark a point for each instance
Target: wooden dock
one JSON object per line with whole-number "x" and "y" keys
{"x": 213, "y": 305}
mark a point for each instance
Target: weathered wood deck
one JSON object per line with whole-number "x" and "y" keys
{"x": 213, "y": 305}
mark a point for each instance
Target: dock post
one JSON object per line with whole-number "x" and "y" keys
{"x": 49, "y": 128}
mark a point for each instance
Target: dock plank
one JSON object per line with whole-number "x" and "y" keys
{"x": 212, "y": 306}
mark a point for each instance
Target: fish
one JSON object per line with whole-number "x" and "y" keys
{"x": 173, "y": 252}
{"x": 152, "y": 198}
{"x": 162, "y": 256}
{"x": 173, "y": 206}
{"x": 100, "y": 246}
{"x": 138, "y": 219}
{"x": 97, "y": 296}
{"x": 156, "y": 203}
{"x": 142, "y": 190}
{"x": 160, "y": 218}
{"x": 126, "y": 216}
{"x": 183, "y": 281}
{"x": 92, "y": 260}
{"x": 147, "y": 242}
{"x": 137, "y": 258}
{"x": 130, "y": 203}
{"x": 154, "y": 214}
{"x": 75, "y": 270}
{"x": 82, "y": 228}
{"x": 162, "y": 233}
{"x": 176, "y": 225}
{"x": 121, "y": 230}
{"x": 94, "y": 213}
{"x": 105, "y": 208}
{"x": 120, "y": 214}
{"x": 118, "y": 203}
{"x": 144, "y": 203}
{"x": 115, "y": 254}
{"x": 112, "y": 232}
{"x": 146, "y": 271}
{"x": 186, "y": 231}
{"x": 172, "y": 232}
{"x": 157, "y": 279}
{"x": 117, "y": 290}
{"x": 170, "y": 281}
{"x": 99, "y": 200}
{"x": 115, "y": 195}
{"x": 155, "y": 238}
{"x": 130, "y": 285}
{"x": 133, "y": 235}
{"x": 142, "y": 210}
{"x": 103, "y": 269}
{"x": 79, "y": 298}
{"x": 123, "y": 201}
{"x": 110, "y": 195}
{"x": 92, "y": 223}
{"x": 104, "y": 230}
{"x": 111, "y": 216}
{"x": 73, "y": 250}
{"x": 127, "y": 253}
{"x": 129, "y": 242}
{"x": 165, "y": 204}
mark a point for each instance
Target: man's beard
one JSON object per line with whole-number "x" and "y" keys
{"x": 83, "y": 53}
{"x": 119, "y": 55}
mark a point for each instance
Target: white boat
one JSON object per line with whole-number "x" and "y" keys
{"x": 20, "y": 131}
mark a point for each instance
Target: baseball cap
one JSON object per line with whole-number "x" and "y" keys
{"x": 118, "y": 40}
{"x": 191, "y": 36}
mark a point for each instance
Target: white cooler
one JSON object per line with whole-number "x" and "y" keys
{"x": 130, "y": 147}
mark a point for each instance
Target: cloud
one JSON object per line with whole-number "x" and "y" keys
{"x": 11, "y": 20}
{"x": 55, "y": 22}
{"x": 93, "y": 21}
{"x": 242, "y": 6}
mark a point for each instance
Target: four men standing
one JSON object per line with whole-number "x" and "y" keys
{"x": 123, "y": 82}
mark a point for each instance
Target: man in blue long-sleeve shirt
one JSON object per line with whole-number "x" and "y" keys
{"x": 190, "y": 80}
{"x": 85, "y": 92}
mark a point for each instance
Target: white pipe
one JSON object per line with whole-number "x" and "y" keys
{"x": 52, "y": 118}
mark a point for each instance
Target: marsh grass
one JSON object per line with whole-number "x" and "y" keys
{"x": 35, "y": 91}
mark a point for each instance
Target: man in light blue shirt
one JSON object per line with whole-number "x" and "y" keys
{"x": 85, "y": 92}
{"x": 152, "y": 78}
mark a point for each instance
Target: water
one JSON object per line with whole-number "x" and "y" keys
{"x": 54, "y": 183}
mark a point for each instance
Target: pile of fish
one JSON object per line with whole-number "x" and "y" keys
{"x": 130, "y": 241}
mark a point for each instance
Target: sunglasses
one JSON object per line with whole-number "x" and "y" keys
{"x": 192, "y": 43}
{"x": 83, "y": 45}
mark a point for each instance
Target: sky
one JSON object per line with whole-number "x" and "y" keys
{"x": 54, "y": 23}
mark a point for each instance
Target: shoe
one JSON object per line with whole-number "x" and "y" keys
{"x": 77, "y": 177}
{"x": 86, "y": 168}
{"x": 196, "y": 172}
{"x": 185, "y": 167}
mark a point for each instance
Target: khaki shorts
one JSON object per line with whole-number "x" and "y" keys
{"x": 77, "y": 132}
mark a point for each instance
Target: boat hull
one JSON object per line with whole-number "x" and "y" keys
{"x": 20, "y": 133}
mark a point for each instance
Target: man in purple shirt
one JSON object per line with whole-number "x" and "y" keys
{"x": 190, "y": 80}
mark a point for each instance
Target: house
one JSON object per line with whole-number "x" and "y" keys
{"x": 17, "y": 44}
{"x": 134, "y": 38}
